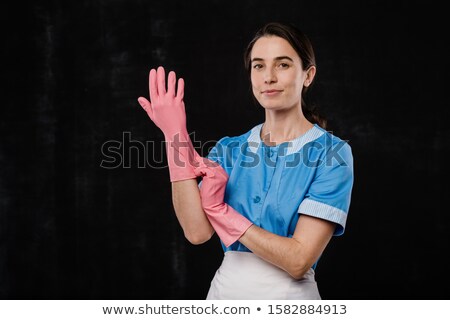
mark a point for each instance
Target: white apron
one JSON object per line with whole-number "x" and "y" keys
{"x": 243, "y": 275}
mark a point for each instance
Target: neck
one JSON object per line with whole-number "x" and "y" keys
{"x": 284, "y": 125}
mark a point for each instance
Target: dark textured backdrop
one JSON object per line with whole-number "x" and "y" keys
{"x": 72, "y": 72}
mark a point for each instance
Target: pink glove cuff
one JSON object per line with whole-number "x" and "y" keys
{"x": 228, "y": 223}
{"x": 181, "y": 157}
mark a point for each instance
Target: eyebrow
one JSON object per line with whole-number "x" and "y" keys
{"x": 275, "y": 59}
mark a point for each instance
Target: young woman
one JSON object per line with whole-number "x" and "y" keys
{"x": 276, "y": 194}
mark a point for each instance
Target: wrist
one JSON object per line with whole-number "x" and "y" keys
{"x": 181, "y": 135}
{"x": 181, "y": 156}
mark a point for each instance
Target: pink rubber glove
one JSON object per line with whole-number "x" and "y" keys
{"x": 167, "y": 111}
{"x": 229, "y": 224}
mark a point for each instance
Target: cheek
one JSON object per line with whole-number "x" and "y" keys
{"x": 255, "y": 84}
{"x": 253, "y": 80}
{"x": 296, "y": 85}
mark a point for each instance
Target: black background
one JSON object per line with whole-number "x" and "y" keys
{"x": 72, "y": 229}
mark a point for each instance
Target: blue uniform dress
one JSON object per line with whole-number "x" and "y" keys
{"x": 272, "y": 186}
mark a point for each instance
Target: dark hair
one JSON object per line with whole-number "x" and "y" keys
{"x": 302, "y": 45}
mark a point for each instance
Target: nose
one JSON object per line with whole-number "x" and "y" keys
{"x": 269, "y": 76}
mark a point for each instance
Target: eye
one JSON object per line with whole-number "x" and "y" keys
{"x": 257, "y": 66}
{"x": 284, "y": 65}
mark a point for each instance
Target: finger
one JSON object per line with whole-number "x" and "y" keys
{"x": 204, "y": 172}
{"x": 199, "y": 172}
{"x": 210, "y": 163}
{"x": 180, "y": 89}
{"x": 147, "y": 106}
{"x": 199, "y": 159}
{"x": 152, "y": 85}
{"x": 222, "y": 173}
{"x": 193, "y": 156}
{"x": 218, "y": 170}
{"x": 161, "y": 81}
{"x": 171, "y": 82}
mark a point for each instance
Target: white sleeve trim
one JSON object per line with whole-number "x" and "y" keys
{"x": 323, "y": 211}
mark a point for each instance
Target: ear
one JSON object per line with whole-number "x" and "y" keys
{"x": 310, "y": 73}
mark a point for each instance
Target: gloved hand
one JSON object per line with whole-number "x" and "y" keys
{"x": 167, "y": 111}
{"x": 229, "y": 224}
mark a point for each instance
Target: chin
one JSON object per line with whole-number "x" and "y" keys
{"x": 272, "y": 106}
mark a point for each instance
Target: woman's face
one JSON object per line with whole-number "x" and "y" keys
{"x": 277, "y": 75}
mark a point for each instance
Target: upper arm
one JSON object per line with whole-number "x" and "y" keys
{"x": 323, "y": 211}
{"x": 328, "y": 196}
{"x": 313, "y": 234}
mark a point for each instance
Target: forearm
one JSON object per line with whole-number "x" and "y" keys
{"x": 189, "y": 211}
{"x": 286, "y": 253}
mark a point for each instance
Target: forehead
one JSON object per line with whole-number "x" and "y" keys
{"x": 270, "y": 47}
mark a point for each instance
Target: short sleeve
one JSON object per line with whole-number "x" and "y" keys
{"x": 329, "y": 194}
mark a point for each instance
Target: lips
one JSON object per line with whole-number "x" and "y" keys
{"x": 271, "y": 91}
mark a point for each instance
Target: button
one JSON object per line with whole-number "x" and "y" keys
{"x": 256, "y": 199}
{"x": 270, "y": 153}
